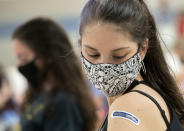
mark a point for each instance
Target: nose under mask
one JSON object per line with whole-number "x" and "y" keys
{"x": 30, "y": 72}
{"x": 112, "y": 79}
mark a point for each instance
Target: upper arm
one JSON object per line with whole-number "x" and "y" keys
{"x": 137, "y": 107}
{"x": 65, "y": 116}
{"x": 120, "y": 123}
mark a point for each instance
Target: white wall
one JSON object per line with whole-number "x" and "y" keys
{"x": 15, "y": 12}
{"x": 25, "y": 9}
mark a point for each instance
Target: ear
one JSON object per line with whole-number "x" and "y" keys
{"x": 144, "y": 48}
{"x": 39, "y": 62}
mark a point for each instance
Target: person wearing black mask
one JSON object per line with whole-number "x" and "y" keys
{"x": 52, "y": 102}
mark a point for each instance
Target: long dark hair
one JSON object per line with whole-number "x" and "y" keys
{"x": 134, "y": 17}
{"x": 49, "y": 42}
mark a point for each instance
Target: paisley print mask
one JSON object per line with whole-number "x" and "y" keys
{"x": 112, "y": 79}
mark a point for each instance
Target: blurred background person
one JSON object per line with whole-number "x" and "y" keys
{"x": 58, "y": 97}
{"x": 100, "y": 104}
{"x": 175, "y": 61}
{"x": 8, "y": 108}
{"x": 180, "y": 24}
{"x": 179, "y": 49}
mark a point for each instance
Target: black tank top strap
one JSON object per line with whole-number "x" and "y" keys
{"x": 103, "y": 126}
{"x": 156, "y": 103}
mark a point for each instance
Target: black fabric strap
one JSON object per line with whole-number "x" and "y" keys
{"x": 134, "y": 84}
{"x": 157, "y": 104}
{"x": 103, "y": 126}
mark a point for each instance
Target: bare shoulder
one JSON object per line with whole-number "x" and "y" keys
{"x": 134, "y": 111}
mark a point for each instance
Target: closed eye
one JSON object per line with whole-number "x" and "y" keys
{"x": 93, "y": 56}
{"x": 120, "y": 57}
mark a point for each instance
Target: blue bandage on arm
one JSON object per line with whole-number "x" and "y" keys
{"x": 126, "y": 115}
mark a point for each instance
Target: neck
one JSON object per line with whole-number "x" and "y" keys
{"x": 49, "y": 83}
{"x": 110, "y": 100}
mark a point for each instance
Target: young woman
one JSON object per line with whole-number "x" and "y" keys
{"x": 58, "y": 98}
{"x": 122, "y": 57}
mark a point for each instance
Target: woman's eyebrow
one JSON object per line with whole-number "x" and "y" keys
{"x": 87, "y": 46}
{"x": 118, "y": 49}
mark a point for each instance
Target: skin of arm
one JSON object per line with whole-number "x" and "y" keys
{"x": 141, "y": 107}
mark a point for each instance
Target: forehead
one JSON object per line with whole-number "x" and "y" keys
{"x": 22, "y": 52}
{"x": 20, "y": 46}
{"x": 106, "y": 35}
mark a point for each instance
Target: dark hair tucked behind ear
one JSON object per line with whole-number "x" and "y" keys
{"x": 49, "y": 42}
{"x": 134, "y": 17}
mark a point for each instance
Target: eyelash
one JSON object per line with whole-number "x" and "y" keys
{"x": 119, "y": 57}
{"x": 93, "y": 56}
{"x": 116, "y": 57}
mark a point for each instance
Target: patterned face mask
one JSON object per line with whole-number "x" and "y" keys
{"x": 112, "y": 79}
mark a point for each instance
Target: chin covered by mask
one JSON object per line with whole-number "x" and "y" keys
{"x": 112, "y": 79}
{"x": 31, "y": 73}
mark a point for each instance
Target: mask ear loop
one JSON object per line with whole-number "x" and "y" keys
{"x": 142, "y": 62}
{"x": 143, "y": 67}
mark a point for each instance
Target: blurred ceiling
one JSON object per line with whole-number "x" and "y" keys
{"x": 17, "y": 10}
